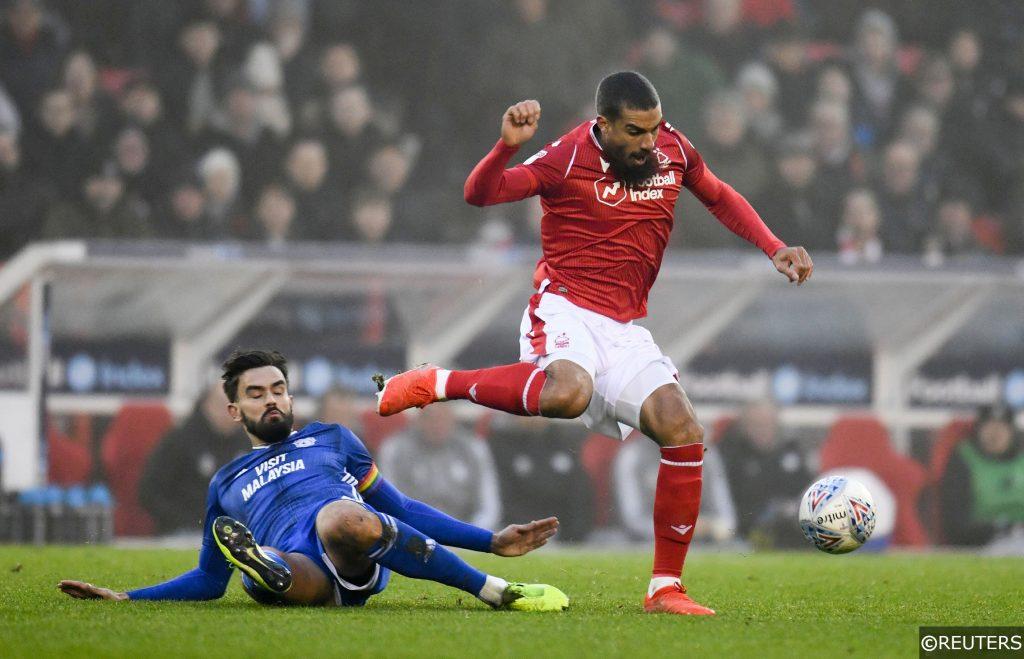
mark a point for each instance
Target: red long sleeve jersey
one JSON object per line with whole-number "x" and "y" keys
{"x": 602, "y": 241}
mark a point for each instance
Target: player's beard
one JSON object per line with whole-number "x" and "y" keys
{"x": 272, "y": 430}
{"x": 628, "y": 171}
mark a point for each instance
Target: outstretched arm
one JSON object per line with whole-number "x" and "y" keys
{"x": 513, "y": 540}
{"x": 736, "y": 213}
{"x": 207, "y": 581}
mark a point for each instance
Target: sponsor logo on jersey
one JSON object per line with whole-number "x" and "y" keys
{"x": 612, "y": 193}
{"x": 609, "y": 193}
{"x": 651, "y": 188}
{"x": 271, "y": 470}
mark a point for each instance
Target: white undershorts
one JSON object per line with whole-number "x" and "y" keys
{"x": 622, "y": 358}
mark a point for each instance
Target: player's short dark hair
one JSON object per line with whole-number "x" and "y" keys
{"x": 625, "y": 89}
{"x": 241, "y": 361}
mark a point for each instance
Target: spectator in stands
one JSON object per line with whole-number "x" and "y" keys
{"x": 550, "y": 51}
{"x": 142, "y": 180}
{"x": 319, "y": 206}
{"x": 795, "y": 204}
{"x": 759, "y": 89}
{"x": 834, "y": 85}
{"x": 221, "y": 177}
{"x": 682, "y": 75}
{"x": 289, "y": 32}
{"x": 858, "y": 238}
{"x": 10, "y": 118}
{"x": 104, "y": 210}
{"x": 953, "y": 232}
{"x": 837, "y": 163}
{"x": 264, "y": 73}
{"x": 58, "y": 154}
{"x": 372, "y": 216}
{"x": 541, "y": 473}
{"x": 441, "y": 463}
{"x": 351, "y": 134}
{"x": 732, "y": 156}
{"x": 275, "y": 215}
{"x": 972, "y": 84}
{"x": 191, "y": 86}
{"x": 94, "y": 109}
{"x": 340, "y": 67}
{"x": 390, "y": 170}
{"x": 31, "y": 48}
{"x": 635, "y": 475}
{"x": 22, "y": 201}
{"x": 982, "y": 490}
{"x": 341, "y": 405}
{"x": 723, "y": 34}
{"x": 1004, "y": 144}
{"x": 902, "y": 199}
{"x": 187, "y": 209}
{"x": 177, "y": 475}
{"x": 878, "y": 83}
{"x": 767, "y": 475}
{"x": 919, "y": 127}
{"x": 787, "y": 57}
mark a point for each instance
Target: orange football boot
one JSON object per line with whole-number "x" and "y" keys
{"x": 415, "y": 388}
{"x": 673, "y": 599}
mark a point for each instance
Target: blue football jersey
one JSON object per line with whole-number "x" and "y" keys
{"x": 271, "y": 488}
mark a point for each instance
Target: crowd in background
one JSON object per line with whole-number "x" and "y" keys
{"x": 863, "y": 128}
{"x": 499, "y": 469}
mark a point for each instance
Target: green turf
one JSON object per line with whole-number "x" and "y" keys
{"x": 791, "y": 605}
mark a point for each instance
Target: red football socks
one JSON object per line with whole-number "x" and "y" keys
{"x": 514, "y": 388}
{"x": 676, "y": 505}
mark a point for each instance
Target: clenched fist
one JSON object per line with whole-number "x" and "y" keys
{"x": 520, "y": 122}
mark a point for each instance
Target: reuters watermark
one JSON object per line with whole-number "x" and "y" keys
{"x": 971, "y": 641}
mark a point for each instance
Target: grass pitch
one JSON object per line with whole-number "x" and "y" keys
{"x": 793, "y": 605}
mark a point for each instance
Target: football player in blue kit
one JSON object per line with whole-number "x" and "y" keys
{"x": 308, "y": 519}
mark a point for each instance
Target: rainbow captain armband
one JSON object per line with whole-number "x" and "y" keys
{"x": 367, "y": 482}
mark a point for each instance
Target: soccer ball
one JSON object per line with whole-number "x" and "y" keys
{"x": 837, "y": 514}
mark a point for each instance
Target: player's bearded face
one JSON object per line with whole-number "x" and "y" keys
{"x": 274, "y": 425}
{"x": 628, "y": 144}
{"x": 631, "y": 164}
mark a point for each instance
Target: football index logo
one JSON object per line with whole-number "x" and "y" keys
{"x": 609, "y": 193}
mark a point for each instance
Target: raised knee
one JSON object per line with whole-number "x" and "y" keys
{"x": 347, "y": 524}
{"x": 683, "y": 433}
{"x": 568, "y": 395}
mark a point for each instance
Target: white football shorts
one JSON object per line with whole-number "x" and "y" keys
{"x": 622, "y": 358}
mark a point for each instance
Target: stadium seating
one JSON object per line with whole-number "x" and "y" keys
{"x": 131, "y": 437}
{"x": 68, "y": 459}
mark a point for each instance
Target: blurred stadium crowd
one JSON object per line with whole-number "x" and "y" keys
{"x": 867, "y": 128}
{"x": 965, "y": 490}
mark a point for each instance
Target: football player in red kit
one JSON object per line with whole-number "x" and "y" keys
{"x": 608, "y": 189}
